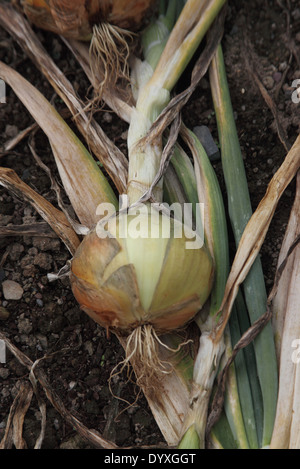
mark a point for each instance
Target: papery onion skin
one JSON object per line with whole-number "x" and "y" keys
{"x": 75, "y": 19}
{"x": 109, "y": 287}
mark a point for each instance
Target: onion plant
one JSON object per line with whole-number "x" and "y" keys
{"x": 130, "y": 271}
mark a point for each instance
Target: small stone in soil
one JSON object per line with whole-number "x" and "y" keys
{"x": 205, "y": 137}
{"x": 277, "y": 77}
{"x": 24, "y": 325}
{"x": 268, "y": 82}
{"x": 12, "y": 290}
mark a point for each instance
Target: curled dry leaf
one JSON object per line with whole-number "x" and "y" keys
{"x": 56, "y": 219}
{"x": 74, "y": 162}
{"x": 286, "y": 323}
{"x": 38, "y": 374}
{"x": 256, "y": 229}
{"x": 13, "y": 436}
{"x": 34, "y": 229}
{"x": 169, "y": 401}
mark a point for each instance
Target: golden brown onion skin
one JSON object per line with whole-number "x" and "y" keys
{"x": 105, "y": 284}
{"x": 75, "y": 18}
{"x": 110, "y": 303}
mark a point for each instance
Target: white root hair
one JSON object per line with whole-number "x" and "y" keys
{"x": 109, "y": 53}
{"x": 142, "y": 354}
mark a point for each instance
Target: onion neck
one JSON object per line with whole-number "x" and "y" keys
{"x": 144, "y": 156}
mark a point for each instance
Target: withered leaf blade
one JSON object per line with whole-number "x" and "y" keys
{"x": 13, "y": 436}
{"x": 286, "y": 323}
{"x": 113, "y": 97}
{"x": 256, "y": 230}
{"x": 113, "y": 160}
{"x": 34, "y": 229}
{"x": 90, "y": 435}
{"x": 84, "y": 183}
{"x": 54, "y": 217}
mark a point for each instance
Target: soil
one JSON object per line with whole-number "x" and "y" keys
{"x": 46, "y": 322}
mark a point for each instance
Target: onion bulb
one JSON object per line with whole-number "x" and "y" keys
{"x": 140, "y": 278}
{"x": 75, "y": 19}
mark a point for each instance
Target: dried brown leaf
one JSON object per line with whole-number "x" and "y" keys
{"x": 103, "y": 148}
{"x": 168, "y": 401}
{"x": 13, "y": 436}
{"x": 111, "y": 97}
{"x": 256, "y": 230}
{"x": 285, "y": 298}
{"x": 54, "y": 217}
{"x": 91, "y": 435}
{"x": 34, "y": 229}
{"x": 84, "y": 183}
